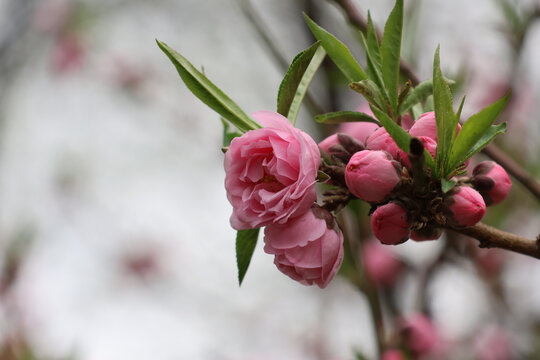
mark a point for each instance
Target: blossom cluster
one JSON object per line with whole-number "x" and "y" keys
{"x": 271, "y": 175}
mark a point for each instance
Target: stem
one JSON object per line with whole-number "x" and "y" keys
{"x": 490, "y": 237}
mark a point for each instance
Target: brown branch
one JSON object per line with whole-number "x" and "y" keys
{"x": 360, "y": 22}
{"x": 490, "y": 237}
{"x": 493, "y": 152}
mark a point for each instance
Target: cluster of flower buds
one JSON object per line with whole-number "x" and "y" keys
{"x": 406, "y": 201}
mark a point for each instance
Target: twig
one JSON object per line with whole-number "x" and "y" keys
{"x": 490, "y": 237}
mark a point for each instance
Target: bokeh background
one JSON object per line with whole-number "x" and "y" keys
{"x": 114, "y": 232}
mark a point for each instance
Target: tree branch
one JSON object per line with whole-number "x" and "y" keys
{"x": 490, "y": 237}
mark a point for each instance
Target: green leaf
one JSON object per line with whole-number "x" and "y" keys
{"x": 447, "y": 185}
{"x": 370, "y": 92}
{"x": 294, "y": 85}
{"x": 322, "y": 177}
{"x": 245, "y": 245}
{"x": 207, "y": 92}
{"x": 338, "y": 52}
{"x": 228, "y": 133}
{"x": 400, "y": 136}
{"x": 374, "y": 70}
{"x": 445, "y": 118}
{"x": 373, "y": 42}
{"x": 391, "y": 52}
{"x": 344, "y": 116}
{"x": 458, "y": 114}
{"x": 417, "y": 95}
{"x": 475, "y": 129}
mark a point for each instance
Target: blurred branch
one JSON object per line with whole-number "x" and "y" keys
{"x": 257, "y": 23}
{"x": 360, "y": 22}
{"x": 490, "y": 237}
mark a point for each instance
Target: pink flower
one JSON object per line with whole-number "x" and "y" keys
{"x": 493, "y": 343}
{"x": 420, "y": 334}
{"x": 358, "y": 130}
{"x": 464, "y": 206}
{"x": 371, "y": 175}
{"x": 492, "y": 181}
{"x": 328, "y": 142}
{"x": 393, "y": 354}
{"x": 429, "y": 144}
{"x": 270, "y": 173}
{"x": 68, "y": 54}
{"x": 308, "y": 248}
{"x": 381, "y": 140}
{"x": 389, "y": 224}
{"x": 426, "y": 125}
{"x": 381, "y": 265}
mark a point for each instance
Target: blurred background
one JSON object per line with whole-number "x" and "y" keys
{"x": 114, "y": 233}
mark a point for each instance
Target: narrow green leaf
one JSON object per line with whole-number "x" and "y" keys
{"x": 447, "y": 185}
{"x": 344, "y": 116}
{"x": 322, "y": 177}
{"x": 444, "y": 115}
{"x": 245, "y": 245}
{"x": 400, "y": 136}
{"x": 391, "y": 52}
{"x": 403, "y": 93}
{"x": 474, "y": 129}
{"x": 207, "y": 92}
{"x": 370, "y": 92}
{"x": 338, "y": 52}
{"x": 488, "y": 137}
{"x": 228, "y": 133}
{"x": 458, "y": 114}
{"x": 374, "y": 70}
{"x": 416, "y": 111}
{"x": 429, "y": 106}
{"x": 373, "y": 42}
{"x": 294, "y": 85}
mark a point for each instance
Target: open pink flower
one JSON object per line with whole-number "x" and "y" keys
{"x": 308, "y": 248}
{"x": 270, "y": 173}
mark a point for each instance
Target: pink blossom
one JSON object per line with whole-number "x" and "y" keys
{"x": 381, "y": 140}
{"x": 358, "y": 130}
{"x": 270, "y": 173}
{"x": 381, "y": 265}
{"x": 429, "y": 144}
{"x": 492, "y": 181}
{"x": 464, "y": 206}
{"x": 389, "y": 224}
{"x": 308, "y": 248}
{"x": 393, "y": 354}
{"x": 371, "y": 175}
{"x": 68, "y": 54}
{"x": 493, "y": 343}
{"x": 328, "y": 142}
{"x": 420, "y": 334}
{"x": 426, "y": 125}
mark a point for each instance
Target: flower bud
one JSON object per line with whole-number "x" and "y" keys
{"x": 464, "y": 206}
{"x": 420, "y": 334}
{"x": 371, "y": 175}
{"x": 307, "y": 248}
{"x": 328, "y": 142}
{"x": 381, "y": 140}
{"x": 382, "y": 266}
{"x": 393, "y": 354}
{"x": 358, "y": 130}
{"x": 492, "y": 181}
{"x": 429, "y": 144}
{"x": 389, "y": 224}
{"x": 426, "y": 125}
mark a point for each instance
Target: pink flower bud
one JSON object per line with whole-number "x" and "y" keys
{"x": 389, "y": 224}
{"x": 382, "y": 266}
{"x": 393, "y": 354}
{"x": 426, "y": 125}
{"x": 328, "y": 142}
{"x": 358, "y": 130}
{"x": 270, "y": 173}
{"x": 492, "y": 181}
{"x": 381, "y": 140}
{"x": 464, "y": 206}
{"x": 371, "y": 175}
{"x": 429, "y": 144}
{"x": 420, "y": 334}
{"x": 308, "y": 248}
